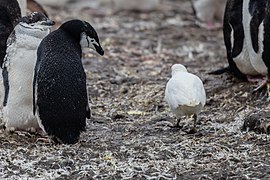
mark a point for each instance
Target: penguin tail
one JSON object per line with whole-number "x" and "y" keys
{"x": 220, "y": 71}
{"x": 66, "y": 136}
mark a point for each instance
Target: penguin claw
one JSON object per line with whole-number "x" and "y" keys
{"x": 268, "y": 90}
{"x": 260, "y": 81}
{"x": 211, "y": 26}
{"x": 45, "y": 140}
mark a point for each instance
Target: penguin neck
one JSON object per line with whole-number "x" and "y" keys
{"x": 76, "y": 42}
{"x": 24, "y": 40}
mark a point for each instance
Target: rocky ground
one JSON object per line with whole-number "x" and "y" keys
{"x": 129, "y": 135}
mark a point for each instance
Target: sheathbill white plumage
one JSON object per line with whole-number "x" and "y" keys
{"x": 185, "y": 93}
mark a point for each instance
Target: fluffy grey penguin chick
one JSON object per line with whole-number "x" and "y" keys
{"x": 60, "y": 91}
{"x": 18, "y": 71}
{"x": 185, "y": 93}
{"x": 10, "y": 13}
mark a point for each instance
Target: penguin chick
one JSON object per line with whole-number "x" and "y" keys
{"x": 185, "y": 94}
{"x": 18, "y": 70}
{"x": 246, "y": 36}
{"x": 60, "y": 91}
{"x": 10, "y": 13}
{"x": 209, "y": 12}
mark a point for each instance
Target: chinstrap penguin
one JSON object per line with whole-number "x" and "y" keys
{"x": 10, "y": 13}
{"x": 60, "y": 91}
{"x": 18, "y": 71}
{"x": 247, "y": 39}
{"x": 209, "y": 12}
{"x": 185, "y": 94}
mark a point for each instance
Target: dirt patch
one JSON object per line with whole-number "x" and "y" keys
{"x": 129, "y": 135}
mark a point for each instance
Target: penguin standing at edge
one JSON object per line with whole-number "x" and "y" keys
{"x": 18, "y": 71}
{"x": 10, "y": 13}
{"x": 60, "y": 91}
{"x": 247, "y": 39}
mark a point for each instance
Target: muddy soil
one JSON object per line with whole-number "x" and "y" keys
{"x": 129, "y": 135}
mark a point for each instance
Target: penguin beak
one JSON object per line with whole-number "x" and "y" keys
{"x": 48, "y": 23}
{"x": 99, "y": 49}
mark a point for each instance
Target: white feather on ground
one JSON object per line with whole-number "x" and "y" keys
{"x": 185, "y": 93}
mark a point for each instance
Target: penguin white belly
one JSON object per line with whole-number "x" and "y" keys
{"x": 18, "y": 112}
{"x": 248, "y": 61}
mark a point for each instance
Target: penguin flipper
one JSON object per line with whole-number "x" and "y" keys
{"x": 11, "y": 39}
{"x": 88, "y": 111}
{"x": 233, "y": 32}
{"x": 34, "y": 96}
{"x": 6, "y": 85}
{"x": 35, "y": 85}
{"x": 266, "y": 53}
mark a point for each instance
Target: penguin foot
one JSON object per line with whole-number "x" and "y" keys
{"x": 260, "y": 81}
{"x": 268, "y": 90}
{"x": 210, "y": 25}
{"x": 45, "y": 140}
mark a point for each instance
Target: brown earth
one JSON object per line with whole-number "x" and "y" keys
{"x": 129, "y": 135}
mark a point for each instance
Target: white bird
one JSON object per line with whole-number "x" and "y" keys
{"x": 209, "y": 11}
{"x": 185, "y": 93}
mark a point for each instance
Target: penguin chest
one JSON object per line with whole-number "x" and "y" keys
{"x": 250, "y": 61}
{"x": 20, "y": 74}
{"x": 18, "y": 112}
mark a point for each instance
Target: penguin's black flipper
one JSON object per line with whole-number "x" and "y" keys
{"x": 35, "y": 83}
{"x": 88, "y": 111}
{"x": 6, "y": 85}
{"x": 266, "y": 41}
{"x": 233, "y": 32}
{"x": 257, "y": 17}
{"x": 10, "y": 40}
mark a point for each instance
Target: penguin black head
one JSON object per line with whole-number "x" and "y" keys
{"x": 84, "y": 33}
{"x": 35, "y": 24}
